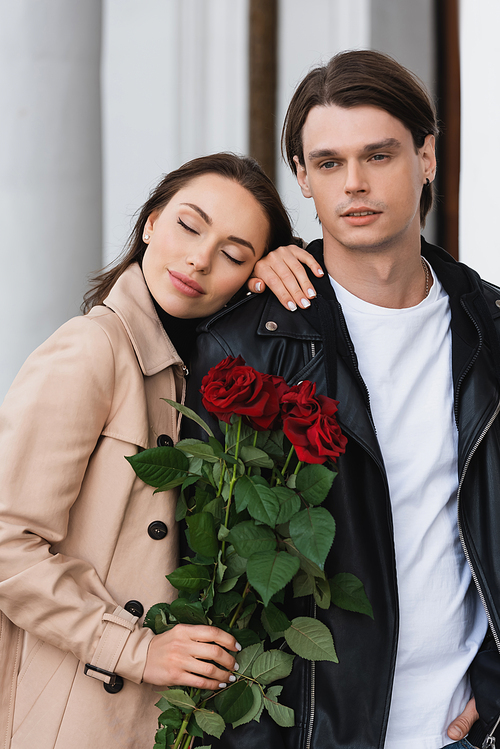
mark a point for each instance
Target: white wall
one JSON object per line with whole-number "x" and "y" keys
{"x": 480, "y": 123}
{"x": 174, "y": 87}
{"x": 309, "y": 34}
{"x": 50, "y": 168}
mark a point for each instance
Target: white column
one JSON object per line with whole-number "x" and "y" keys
{"x": 174, "y": 87}
{"x": 480, "y": 125}
{"x": 50, "y": 169}
{"x": 310, "y": 34}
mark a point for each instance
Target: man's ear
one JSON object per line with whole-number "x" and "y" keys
{"x": 302, "y": 178}
{"x": 428, "y": 156}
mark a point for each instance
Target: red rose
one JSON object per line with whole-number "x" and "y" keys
{"x": 231, "y": 387}
{"x": 310, "y": 424}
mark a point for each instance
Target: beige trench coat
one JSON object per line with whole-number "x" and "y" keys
{"x": 74, "y": 543}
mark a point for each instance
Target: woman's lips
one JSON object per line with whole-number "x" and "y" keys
{"x": 185, "y": 284}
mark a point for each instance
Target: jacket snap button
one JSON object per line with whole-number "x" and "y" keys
{"x": 164, "y": 441}
{"x": 497, "y": 302}
{"x": 135, "y": 608}
{"x": 157, "y": 530}
{"x": 271, "y": 325}
{"x": 117, "y": 686}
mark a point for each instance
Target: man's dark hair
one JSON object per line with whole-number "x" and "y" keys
{"x": 362, "y": 78}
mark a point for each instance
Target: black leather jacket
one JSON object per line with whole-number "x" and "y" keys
{"x": 346, "y": 705}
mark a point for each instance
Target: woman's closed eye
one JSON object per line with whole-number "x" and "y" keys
{"x": 233, "y": 259}
{"x": 185, "y": 226}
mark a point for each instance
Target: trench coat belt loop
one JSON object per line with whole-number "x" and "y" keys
{"x": 118, "y": 627}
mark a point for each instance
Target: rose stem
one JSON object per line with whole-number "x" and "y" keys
{"x": 240, "y": 606}
{"x": 298, "y": 467}
{"x": 231, "y": 485}
{"x": 292, "y": 450}
{"x": 249, "y": 470}
{"x": 182, "y": 730}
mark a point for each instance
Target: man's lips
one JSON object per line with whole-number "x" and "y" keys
{"x": 185, "y": 284}
{"x": 361, "y": 216}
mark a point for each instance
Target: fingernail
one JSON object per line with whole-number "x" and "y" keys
{"x": 238, "y": 646}
{"x": 232, "y": 677}
{"x": 236, "y": 667}
{"x": 311, "y": 293}
{"x": 320, "y": 272}
{"x": 455, "y": 733}
{"x": 221, "y": 686}
{"x": 292, "y": 306}
{"x": 305, "y": 302}
{"x": 258, "y": 286}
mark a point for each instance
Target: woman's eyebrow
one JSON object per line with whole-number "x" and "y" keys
{"x": 206, "y": 218}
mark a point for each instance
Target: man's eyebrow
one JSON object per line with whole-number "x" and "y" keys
{"x": 206, "y": 218}
{"x": 331, "y": 153}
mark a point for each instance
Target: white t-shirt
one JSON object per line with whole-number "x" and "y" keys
{"x": 404, "y": 357}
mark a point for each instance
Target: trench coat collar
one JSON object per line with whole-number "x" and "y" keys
{"x": 131, "y": 301}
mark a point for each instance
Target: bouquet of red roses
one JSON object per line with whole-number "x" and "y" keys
{"x": 255, "y": 526}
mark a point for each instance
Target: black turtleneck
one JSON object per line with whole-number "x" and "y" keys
{"x": 181, "y": 332}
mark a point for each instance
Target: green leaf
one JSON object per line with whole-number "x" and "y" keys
{"x": 234, "y": 701}
{"x": 222, "y": 533}
{"x": 150, "y": 618}
{"x": 216, "y": 508}
{"x": 254, "y": 710}
{"x": 192, "y": 728}
{"x": 188, "y": 613}
{"x": 274, "y": 620}
{"x": 289, "y": 502}
{"x": 160, "y": 465}
{"x": 210, "y": 722}
{"x": 202, "y": 534}
{"x": 306, "y": 565}
{"x": 248, "y": 538}
{"x": 272, "y": 665}
{"x": 224, "y": 603}
{"x": 246, "y": 435}
{"x": 190, "y": 577}
{"x": 246, "y": 657}
{"x": 258, "y": 498}
{"x": 303, "y": 584}
{"x": 270, "y": 571}
{"x": 190, "y": 414}
{"x": 348, "y": 593}
{"x": 161, "y": 739}
{"x": 312, "y": 531}
{"x": 181, "y": 509}
{"x": 321, "y": 593}
{"x": 252, "y": 456}
{"x": 198, "y": 450}
{"x": 246, "y": 637}
{"x": 282, "y": 715}
{"x": 179, "y": 698}
{"x": 311, "y": 639}
{"x": 314, "y": 482}
{"x": 236, "y": 565}
{"x": 228, "y": 584}
{"x": 171, "y": 717}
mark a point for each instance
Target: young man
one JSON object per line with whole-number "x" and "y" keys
{"x": 405, "y": 339}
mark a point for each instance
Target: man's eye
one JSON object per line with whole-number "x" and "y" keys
{"x": 185, "y": 226}
{"x": 379, "y": 157}
{"x": 329, "y": 165}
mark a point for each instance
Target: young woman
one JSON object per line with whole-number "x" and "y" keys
{"x": 84, "y": 546}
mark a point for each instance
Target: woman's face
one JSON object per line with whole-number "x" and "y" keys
{"x": 203, "y": 245}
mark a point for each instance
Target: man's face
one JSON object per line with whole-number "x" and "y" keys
{"x": 363, "y": 161}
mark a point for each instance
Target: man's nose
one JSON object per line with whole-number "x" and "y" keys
{"x": 355, "y": 179}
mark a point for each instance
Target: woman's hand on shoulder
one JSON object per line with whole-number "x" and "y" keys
{"x": 283, "y": 272}
{"x": 191, "y": 655}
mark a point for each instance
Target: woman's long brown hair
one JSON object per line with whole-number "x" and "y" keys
{"x": 242, "y": 169}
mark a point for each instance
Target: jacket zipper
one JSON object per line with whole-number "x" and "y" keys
{"x": 313, "y": 349}
{"x": 313, "y": 696}
{"x": 489, "y": 740}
